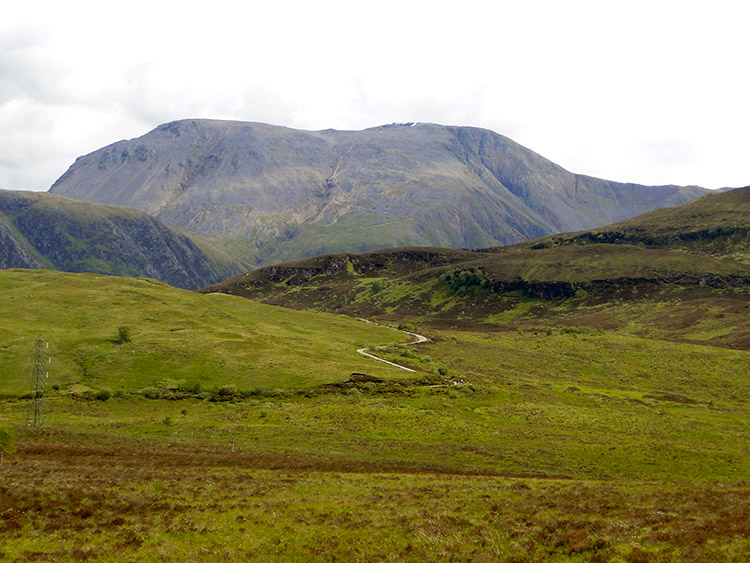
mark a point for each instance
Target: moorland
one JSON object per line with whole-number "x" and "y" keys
{"x": 580, "y": 398}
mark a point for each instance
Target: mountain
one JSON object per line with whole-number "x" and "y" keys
{"x": 577, "y": 279}
{"x": 270, "y": 194}
{"x": 41, "y": 230}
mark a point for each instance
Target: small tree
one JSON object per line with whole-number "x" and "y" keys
{"x": 7, "y": 442}
{"x": 123, "y": 335}
{"x": 103, "y": 395}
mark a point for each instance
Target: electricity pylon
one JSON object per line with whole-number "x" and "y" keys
{"x": 39, "y": 375}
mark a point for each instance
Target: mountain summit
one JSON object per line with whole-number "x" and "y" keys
{"x": 272, "y": 193}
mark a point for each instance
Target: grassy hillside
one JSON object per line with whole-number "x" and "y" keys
{"x": 178, "y": 337}
{"x": 664, "y": 293}
{"x": 717, "y": 224}
{"x": 580, "y": 401}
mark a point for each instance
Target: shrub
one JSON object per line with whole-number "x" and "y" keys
{"x": 461, "y": 281}
{"x": 443, "y": 371}
{"x": 228, "y": 390}
{"x": 151, "y": 393}
{"x": 378, "y": 286}
{"x": 192, "y": 387}
{"x": 123, "y": 335}
{"x": 103, "y": 395}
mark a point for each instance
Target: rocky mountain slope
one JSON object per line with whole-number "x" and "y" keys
{"x": 592, "y": 278}
{"x": 271, "y": 193}
{"x": 40, "y": 230}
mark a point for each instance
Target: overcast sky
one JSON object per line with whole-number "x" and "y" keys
{"x": 654, "y": 92}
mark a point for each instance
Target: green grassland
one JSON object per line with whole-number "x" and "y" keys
{"x": 155, "y": 505}
{"x": 178, "y": 337}
{"x": 559, "y": 443}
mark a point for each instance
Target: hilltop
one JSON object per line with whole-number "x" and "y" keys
{"x": 270, "y": 194}
{"x": 717, "y": 224}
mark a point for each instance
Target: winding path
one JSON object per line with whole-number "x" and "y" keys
{"x": 418, "y": 339}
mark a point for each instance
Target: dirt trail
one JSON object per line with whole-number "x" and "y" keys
{"x": 418, "y": 339}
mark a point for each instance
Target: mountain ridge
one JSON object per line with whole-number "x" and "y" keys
{"x": 273, "y": 194}
{"x": 42, "y": 230}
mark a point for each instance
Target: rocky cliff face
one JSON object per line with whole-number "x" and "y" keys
{"x": 49, "y": 231}
{"x": 15, "y": 250}
{"x": 289, "y": 194}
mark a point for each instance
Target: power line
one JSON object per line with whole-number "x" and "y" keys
{"x": 39, "y": 374}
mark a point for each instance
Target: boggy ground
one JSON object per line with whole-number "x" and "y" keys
{"x": 65, "y": 502}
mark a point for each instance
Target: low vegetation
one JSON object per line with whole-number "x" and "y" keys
{"x": 7, "y": 442}
{"x": 557, "y": 443}
{"x": 680, "y": 273}
{"x": 160, "y": 504}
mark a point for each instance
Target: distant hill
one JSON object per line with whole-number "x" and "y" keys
{"x": 567, "y": 279}
{"x": 270, "y": 194}
{"x": 717, "y": 224}
{"x": 41, "y": 230}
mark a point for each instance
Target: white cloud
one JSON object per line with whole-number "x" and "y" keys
{"x": 649, "y": 92}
